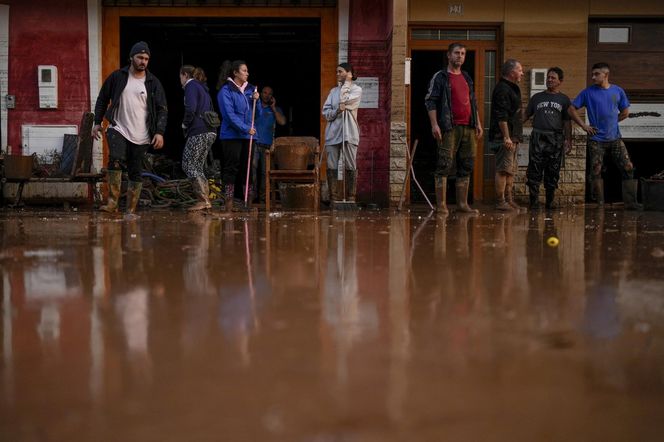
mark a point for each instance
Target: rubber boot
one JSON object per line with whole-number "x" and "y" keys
{"x": 534, "y": 202}
{"x": 133, "y": 195}
{"x": 462, "y": 186}
{"x": 533, "y": 197}
{"x": 509, "y": 194}
{"x": 229, "y": 191}
{"x": 598, "y": 190}
{"x": 501, "y": 204}
{"x": 629, "y": 193}
{"x": 332, "y": 185}
{"x": 550, "y": 198}
{"x": 202, "y": 192}
{"x": 441, "y": 194}
{"x": 114, "y": 178}
{"x": 351, "y": 185}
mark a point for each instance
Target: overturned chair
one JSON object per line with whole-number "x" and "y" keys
{"x": 294, "y": 168}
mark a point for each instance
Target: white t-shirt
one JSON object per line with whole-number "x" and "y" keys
{"x": 131, "y": 117}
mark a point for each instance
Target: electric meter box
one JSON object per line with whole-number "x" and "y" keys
{"x": 537, "y": 81}
{"x": 47, "y": 79}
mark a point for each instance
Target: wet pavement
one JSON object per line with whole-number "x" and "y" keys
{"x": 377, "y": 326}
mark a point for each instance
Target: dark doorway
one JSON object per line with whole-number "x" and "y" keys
{"x": 424, "y": 64}
{"x": 648, "y": 160}
{"x": 281, "y": 53}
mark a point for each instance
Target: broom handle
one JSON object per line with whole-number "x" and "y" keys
{"x": 251, "y": 140}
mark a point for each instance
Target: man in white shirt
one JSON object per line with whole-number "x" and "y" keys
{"x": 137, "y": 115}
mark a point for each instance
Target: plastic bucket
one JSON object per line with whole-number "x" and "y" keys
{"x": 293, "y": 156}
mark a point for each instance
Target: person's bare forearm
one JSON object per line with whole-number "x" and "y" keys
{"x": 623, "y": 114}
{"x": 504, "y": 129}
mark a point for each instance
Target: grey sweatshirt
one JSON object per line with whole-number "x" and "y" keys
{"x": 350, "y": 94}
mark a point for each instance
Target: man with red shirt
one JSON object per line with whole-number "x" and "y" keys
{"x": 455, "y": 124}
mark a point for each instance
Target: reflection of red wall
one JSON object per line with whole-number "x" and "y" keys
{"x": 370, "y": 53}
{"x": 51, "y": 33}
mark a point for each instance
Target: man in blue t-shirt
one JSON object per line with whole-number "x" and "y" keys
{"x": 606, "y": 104}
{"x": 265, "y": 123}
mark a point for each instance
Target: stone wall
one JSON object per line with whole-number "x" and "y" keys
{"x": 398, "y": 160}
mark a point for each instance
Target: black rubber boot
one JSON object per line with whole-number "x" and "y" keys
{"x": 550, "y": 198}
{"x": 333, "y": 185}
{"x": 534, "y": 202}
{"x": 629, "y": 193}
{"x": 351, "y": 185}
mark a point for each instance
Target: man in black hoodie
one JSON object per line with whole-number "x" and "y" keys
{"x": 137, "y": 115}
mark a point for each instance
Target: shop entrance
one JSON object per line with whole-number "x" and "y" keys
{"x": 424, "y": 64}
{"x": 428, "y": 52}
{"x": 293, "y": 49}
{"x": 282, "y": 53}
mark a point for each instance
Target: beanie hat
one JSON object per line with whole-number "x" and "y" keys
{"x": 139, "y": 48}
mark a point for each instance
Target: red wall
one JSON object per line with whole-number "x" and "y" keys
{"x": 370, "y": 53}
{"x": 50, "y": 32}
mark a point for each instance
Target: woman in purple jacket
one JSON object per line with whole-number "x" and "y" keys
{"x": 199, "y": 135}
{"x": 235, "y": 97}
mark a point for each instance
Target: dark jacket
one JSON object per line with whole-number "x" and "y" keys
{"x": 506, "y": 106}
{"x": 439, "y": 98}
{"x": 196, "y": 101}
{"x": 235, "y": 110}
{"x": 112, "y": 89}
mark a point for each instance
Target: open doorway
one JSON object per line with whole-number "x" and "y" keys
{"x": 424, "y": 64}
{"x": 283, "y": 53}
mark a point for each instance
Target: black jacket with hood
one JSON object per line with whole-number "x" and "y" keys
{"x": 112, "y": 89}
{"x": 439, "y": 98}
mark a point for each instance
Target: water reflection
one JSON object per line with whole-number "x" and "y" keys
{"x": 351, "y": 312}
{"x": 238, "y": 306}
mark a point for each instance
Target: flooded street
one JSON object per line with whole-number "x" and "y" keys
{"x": 371, "y": 327}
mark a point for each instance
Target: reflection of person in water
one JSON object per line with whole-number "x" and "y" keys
{"x": 130, "y": 293}
{"x": 601, "y": 319}
{"x": 198, "y": 285}
{"x": 499, "y": 260}
{"x": 195, "y": 273}
{"x": 544, "y": 272}
{"x": 241, "y": 296}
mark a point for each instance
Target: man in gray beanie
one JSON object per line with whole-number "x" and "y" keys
{"x": 137, "y": 119}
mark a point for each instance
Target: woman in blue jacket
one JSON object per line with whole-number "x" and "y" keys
{"x": 199, "y": 135}
{"x": 235, "y": 99}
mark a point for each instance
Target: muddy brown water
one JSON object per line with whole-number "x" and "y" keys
{"x": 375, "y": 326}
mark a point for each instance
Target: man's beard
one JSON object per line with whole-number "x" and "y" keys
{"x": 138, "y": 67}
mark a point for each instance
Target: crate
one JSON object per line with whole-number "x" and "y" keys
{"x": 297, "y": 196}
{"x": 652, "y": 193}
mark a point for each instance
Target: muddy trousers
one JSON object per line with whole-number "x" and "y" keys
{"x": 456, "y": 152}
{"x": 617, "y": 151}
{"x": 258, "y": 168}
{"x": 545, "y": 159}
{"x": 122, "y": 151}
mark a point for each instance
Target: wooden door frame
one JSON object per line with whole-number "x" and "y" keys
{"x": 329, "y": 45}
{"x": 479, "y": 46}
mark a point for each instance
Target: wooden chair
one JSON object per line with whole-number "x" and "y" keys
{"x": 285, "y": 170}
